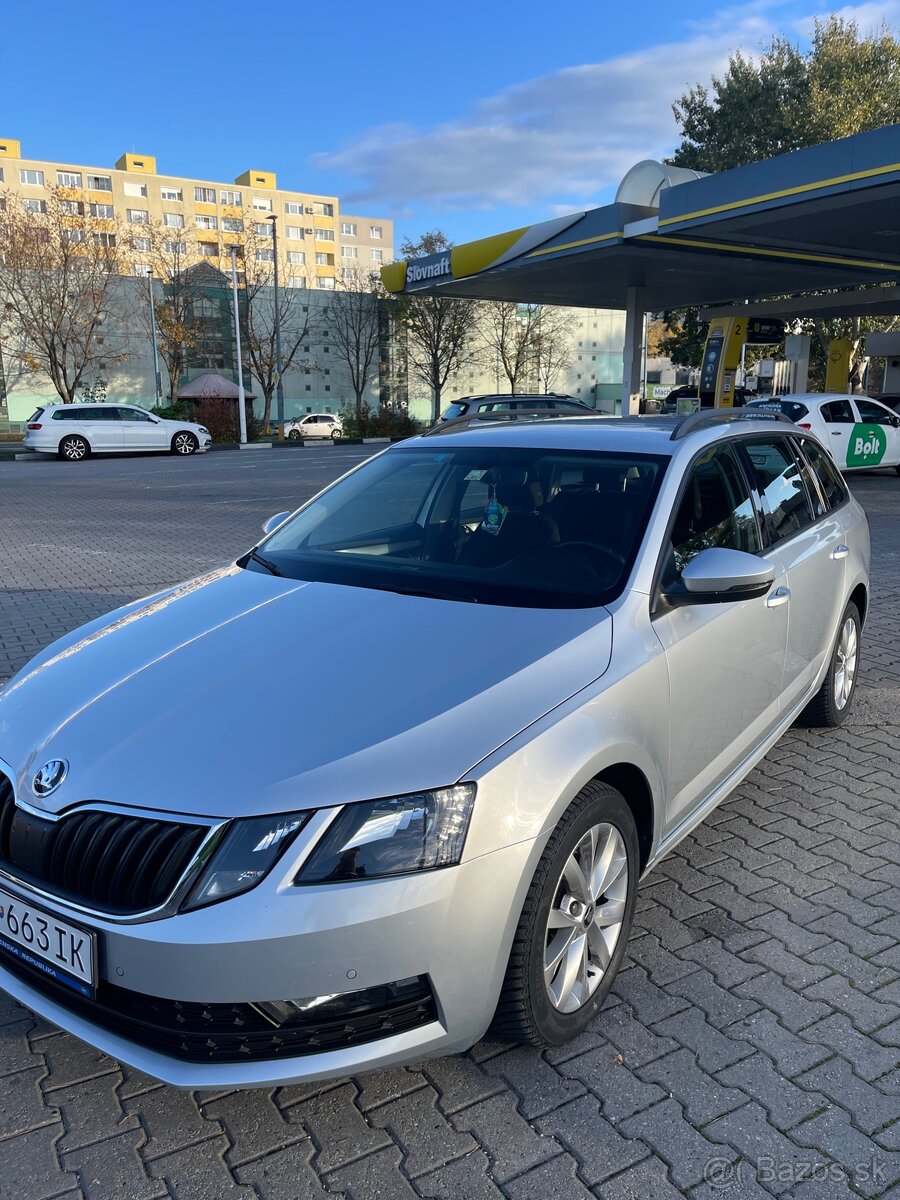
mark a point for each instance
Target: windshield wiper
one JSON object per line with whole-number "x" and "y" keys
{"x": 431, "y": 595}
{"x": 265, "y": 562}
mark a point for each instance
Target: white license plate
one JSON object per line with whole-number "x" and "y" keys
{"x": 60, "y": 950}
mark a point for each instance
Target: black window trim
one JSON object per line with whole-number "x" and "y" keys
{"x": 829, "y": 508}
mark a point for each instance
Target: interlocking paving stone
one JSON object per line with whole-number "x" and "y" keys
{"x": 756, "y": 1014}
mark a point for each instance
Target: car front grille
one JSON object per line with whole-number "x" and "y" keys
{"x": 231, "y": 1033}
{"x": 107, "y": 861}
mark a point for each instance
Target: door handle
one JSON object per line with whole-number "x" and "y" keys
{"x": 778, "y": 597}
{"x": 835, "y": 433}
{"x": 840, "y": 551}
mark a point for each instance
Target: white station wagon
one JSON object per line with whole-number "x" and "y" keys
{"x": 75, "y": 431}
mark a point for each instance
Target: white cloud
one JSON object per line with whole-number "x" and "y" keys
{"x": 555, "y": 141}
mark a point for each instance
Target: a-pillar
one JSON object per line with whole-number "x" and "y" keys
{"x": 632, "y": 354}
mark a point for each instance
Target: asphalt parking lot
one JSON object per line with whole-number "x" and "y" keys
{"x": 750, "y": 1047}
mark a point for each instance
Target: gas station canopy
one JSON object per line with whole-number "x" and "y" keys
{"x": 813, "y": 220}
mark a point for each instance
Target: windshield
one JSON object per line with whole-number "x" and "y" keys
{"x": 454, "y": 410}
{"x": 517, "y": 527}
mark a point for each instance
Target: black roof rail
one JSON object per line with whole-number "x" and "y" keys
{"x": 706, "y": 417}
{"x": 523, "y": 414}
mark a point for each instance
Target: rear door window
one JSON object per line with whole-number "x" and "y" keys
{"x": 875, "y": 414}
{"x": 837, "y": 412}
{"x": 830, "y": 481}
{"x": 780, "y": 482}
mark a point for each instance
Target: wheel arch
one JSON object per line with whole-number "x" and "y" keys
{"x": 631, "y": 781}
{"x": 860, "y": 597}
{"x": 65, "y": 437}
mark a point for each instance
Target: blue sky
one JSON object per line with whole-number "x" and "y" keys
{"x": 471, "y": 117}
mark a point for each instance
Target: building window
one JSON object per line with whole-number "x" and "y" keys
{"x": 228, "y": 196}
{"x": 135, "y": 189}
{"x": 262, "y": 203}
{"x": 170, "y": 193}
{"x": 263, "y": 229}
{"x": 74, "y": 236}
{"x": 140, "y": 269}
{"x": 233, "y": 224}
{"x": 377, "y": 256}
{"x": 173, "y": 220}
{"x": 99, "y": 183}
{"x": 375, "y": 231}
{"x": 348, "y": 273}
{"x": 296, "y": 281}
{"x": 324, "y": 260}
{"x": 296, "y": 233}
{"x": 325, "y": 284}
{"x": 208, "y": 249}
{"x": 325, "y": 235}
{"x": 349, "y": 252}
{"x": 296, "y": 258}
{"x": 141, "y": 243}
{"x": 71, "y": 208}
{"x": 206, "y": 222}
{"x": 265, "y": 256}
{"x": 348, "y": 228}
{"x": 104, "y": 212}
{"x": 176, "y": 247}
{"x": 323, "y": 210}
{"x": 35, "y": 206}
{"x": 33, "y": 178}
{"x": 69, "y": 179}
{"x": 105, "y": 239}
{"x": 203, "y": 195}
{"x": 293, "y": 208}
{"x": 138, "y": 216}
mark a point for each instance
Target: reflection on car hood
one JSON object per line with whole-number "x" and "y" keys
{"x": 239, "y": 692}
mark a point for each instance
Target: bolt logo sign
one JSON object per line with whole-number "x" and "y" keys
{"x": 867, "y": 446}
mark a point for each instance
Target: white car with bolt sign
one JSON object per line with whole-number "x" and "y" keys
{"x": 858, "y": 432}
{"x": 596, "y": 626}
{"x": 75, "y": 431}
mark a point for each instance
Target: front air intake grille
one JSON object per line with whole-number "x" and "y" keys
{"x": 107, "y": 861}
{"x": 232, "y": 1033}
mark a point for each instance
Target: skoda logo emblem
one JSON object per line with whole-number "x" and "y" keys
{"x": 49, "y": 777}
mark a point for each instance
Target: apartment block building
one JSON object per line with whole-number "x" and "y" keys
{"x": 316, "y": 240}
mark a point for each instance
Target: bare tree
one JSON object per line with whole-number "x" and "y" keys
{"x": 441, "y": 331}
{"x": 354, "y": 323}
{"x": 295, "y": 312}
{"x": 176, "y": 289}
{"x": 553, "y": 347}
{"x": 508, "y": 331}
{"x": 57, "y": 277}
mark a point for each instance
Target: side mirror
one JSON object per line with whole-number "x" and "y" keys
{"x": 720, "y": 576}
{"x": 274, "y": 522}
{"x": 895, "y": 421}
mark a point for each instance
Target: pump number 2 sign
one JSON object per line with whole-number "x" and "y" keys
{"x": 867, "y": 446}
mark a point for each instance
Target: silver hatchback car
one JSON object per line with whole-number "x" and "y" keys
{"x": 543, "y": 653}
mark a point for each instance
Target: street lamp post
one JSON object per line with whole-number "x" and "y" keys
{"x": 242, "y": 411}
{"x": 157, "y": 382}
{"x": 279, "y": 384}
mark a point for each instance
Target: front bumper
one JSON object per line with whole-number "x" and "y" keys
{"x": 451, "y": 928}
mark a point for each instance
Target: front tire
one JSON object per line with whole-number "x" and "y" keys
{"x": 575, "y": 923}
{"x": 294, "y": 435}
{"x": 831, "y": 704}
{"x": 74, "y": 448}
{"x": 184, "y": 443}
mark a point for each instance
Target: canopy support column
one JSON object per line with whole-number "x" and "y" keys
{"x": 632, "y": 354}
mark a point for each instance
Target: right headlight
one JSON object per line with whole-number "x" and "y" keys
{"x": 395, "y": 836}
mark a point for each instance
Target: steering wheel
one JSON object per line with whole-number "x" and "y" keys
{"x": 596, "y": 554}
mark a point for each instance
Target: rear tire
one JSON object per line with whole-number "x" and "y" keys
{"x": 834, "y": 699}
{"x": 74, "y": 448}
{"x": 184, "y": 443}
{"x": 570, "y": 943}
{"x": 336, "y": 437}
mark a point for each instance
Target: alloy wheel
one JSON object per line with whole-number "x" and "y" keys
{"x": 846, "y": 660}
{"x": 585, "y": 918}
{"x": 74, "y": 449}
{"x": 184, "y": 443}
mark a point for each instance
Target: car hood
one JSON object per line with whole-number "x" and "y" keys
{"x": 240, "y": 693}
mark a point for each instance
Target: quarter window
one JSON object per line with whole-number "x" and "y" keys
{"x": 780, "y": 482}
{"x": 715, "y": 510}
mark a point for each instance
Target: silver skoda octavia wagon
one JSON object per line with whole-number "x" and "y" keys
{"x": 515, "y": 663}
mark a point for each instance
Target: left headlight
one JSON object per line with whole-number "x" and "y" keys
{"x": 202, "y": 429}
{"x": 245, "y": 855}
{"x": 393, "y": 837}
